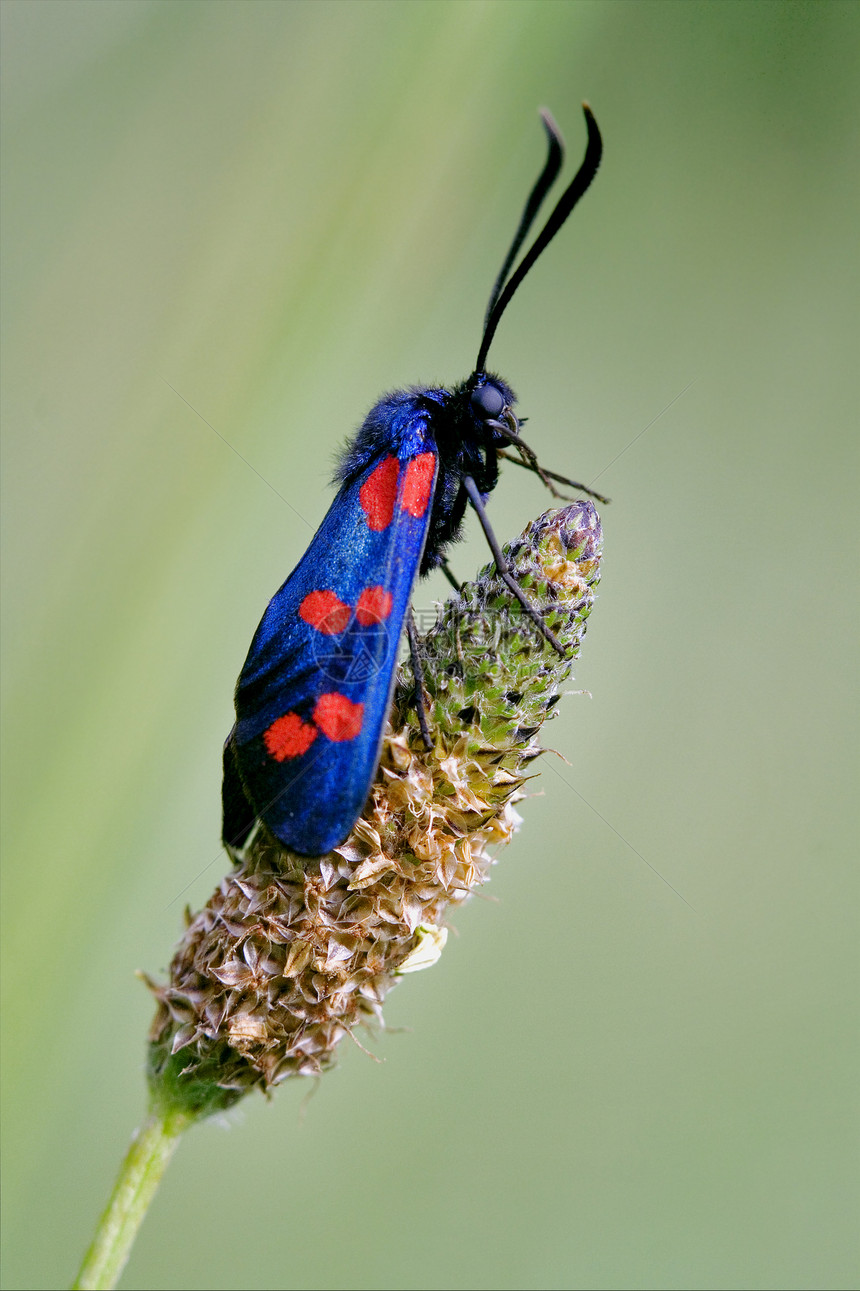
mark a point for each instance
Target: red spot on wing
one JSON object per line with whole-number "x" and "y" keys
{"x": 378, "y": 493}
{"x": 418, "y": 484}
{"x": 289, "y": 737}
{"x": 373, "y": 606}
{"x": 323, "y": 611}
{"x": 338, "y": 717}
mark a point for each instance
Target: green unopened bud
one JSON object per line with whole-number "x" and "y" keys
{"x": 291, "y": 953}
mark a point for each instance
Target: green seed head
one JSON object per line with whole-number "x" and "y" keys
{"x": 291, "y": 953}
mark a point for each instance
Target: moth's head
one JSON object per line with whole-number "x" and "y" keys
{"x": 489, "y": 399}
{"x": 482, "y": 407}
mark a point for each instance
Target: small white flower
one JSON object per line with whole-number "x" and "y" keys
{"x": 427, "y": 949}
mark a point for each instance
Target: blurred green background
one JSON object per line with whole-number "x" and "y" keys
{"x": 281, "y": 210}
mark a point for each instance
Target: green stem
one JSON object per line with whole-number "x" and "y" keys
{"x": 139, "y": 1176}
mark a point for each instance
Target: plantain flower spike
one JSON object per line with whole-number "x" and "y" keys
{"x": 292, "y": 953}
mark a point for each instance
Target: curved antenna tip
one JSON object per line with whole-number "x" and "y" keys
{"x": 550, "y": 124}
{"x": 592, "y": 127}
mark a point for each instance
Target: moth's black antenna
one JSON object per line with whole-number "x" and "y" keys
{"x": 563, "y": 208}
{"x": 543, "y": 183}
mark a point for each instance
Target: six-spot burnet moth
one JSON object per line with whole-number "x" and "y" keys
{"x": 313, "y": 696}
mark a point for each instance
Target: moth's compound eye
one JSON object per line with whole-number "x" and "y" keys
{"x": 487, "y": 400}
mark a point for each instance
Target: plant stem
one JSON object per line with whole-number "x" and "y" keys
{"x": 139, "y": 1176}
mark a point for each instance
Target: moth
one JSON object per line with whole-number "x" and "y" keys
{"x": 314, "y": 693}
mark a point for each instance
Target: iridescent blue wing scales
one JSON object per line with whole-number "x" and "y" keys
{"x": 313, "y": 695}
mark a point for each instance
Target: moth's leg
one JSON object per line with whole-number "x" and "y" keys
{"x": 446, "y": 570}
{"x": 562, "y": 479}
{"x": 527, "y": 453}
{"x": 504, "y": 569}
{"x": 415, "y": 656}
